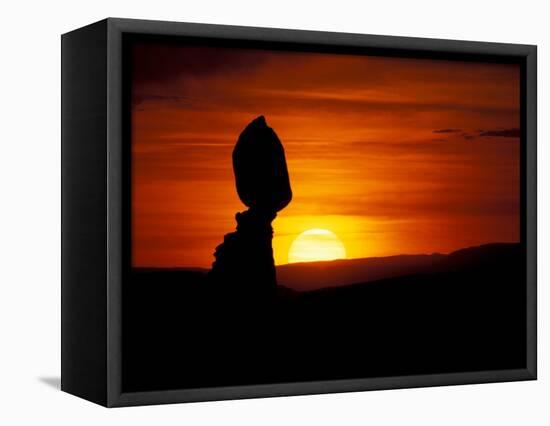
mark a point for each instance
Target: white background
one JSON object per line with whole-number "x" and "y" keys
{"x": 30, "y": 212}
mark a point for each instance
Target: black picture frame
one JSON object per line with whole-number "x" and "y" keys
{"x": 95, "y": 182}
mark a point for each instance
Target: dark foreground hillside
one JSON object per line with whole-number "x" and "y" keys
{"x": 466, "y": 312}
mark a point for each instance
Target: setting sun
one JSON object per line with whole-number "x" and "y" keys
{"x": 315, "y": 245}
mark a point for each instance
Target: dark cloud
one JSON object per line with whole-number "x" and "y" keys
{"x": 158, "y": 63}
{"x": 138, "y": 98}
{"x": 502, "y": 133}
{"x": 447, "y": 130}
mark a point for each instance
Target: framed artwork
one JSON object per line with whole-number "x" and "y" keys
{"x": 252, "y": 212}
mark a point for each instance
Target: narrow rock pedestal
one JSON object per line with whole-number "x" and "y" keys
{"x": 244, "y": 267}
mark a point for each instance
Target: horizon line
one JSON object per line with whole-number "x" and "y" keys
{"x": 435, "y": 253}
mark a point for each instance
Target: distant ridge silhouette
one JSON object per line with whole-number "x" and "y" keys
{"x": 313, "y": 275}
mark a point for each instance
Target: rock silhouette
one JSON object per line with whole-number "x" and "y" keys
{"x": 260, "y": 168}
{"x": 244, "y": 265}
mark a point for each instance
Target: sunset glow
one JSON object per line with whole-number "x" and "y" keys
{"x": 392, "y": 155}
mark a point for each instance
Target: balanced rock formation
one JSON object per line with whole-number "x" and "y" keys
{"x": 260, "y": 168}
{"x": 244, "y": 264}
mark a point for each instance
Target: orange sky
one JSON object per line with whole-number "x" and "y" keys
{"x": 393, "y": 155}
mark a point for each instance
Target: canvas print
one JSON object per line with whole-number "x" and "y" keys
{"x": 313, "y": 215}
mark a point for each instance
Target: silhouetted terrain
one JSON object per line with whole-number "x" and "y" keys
{"x": 442, "y": 313}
